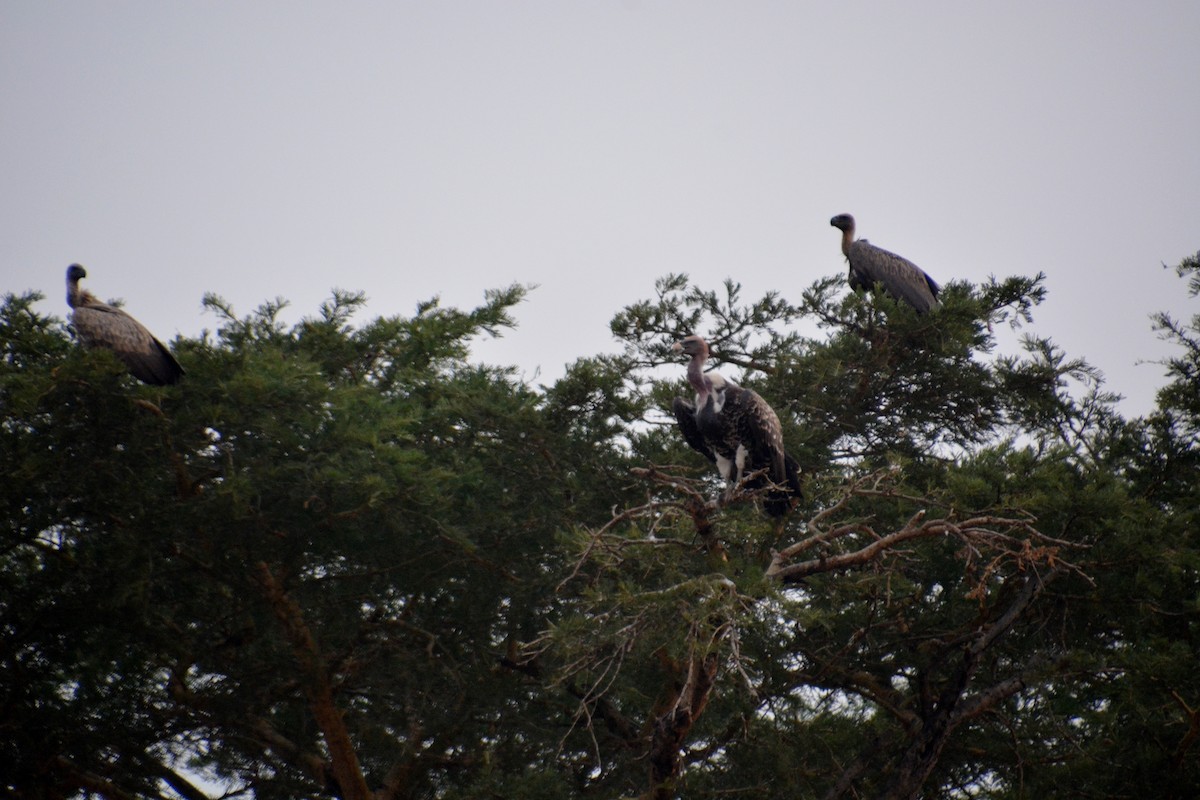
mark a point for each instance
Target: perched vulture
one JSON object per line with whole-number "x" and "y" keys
{"x": 737, "y": 430}
{"x": 869, "y": 265}
{"x": 101, "y": 325}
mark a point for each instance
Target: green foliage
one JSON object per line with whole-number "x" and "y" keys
{"x": 404, "y": 500}
{"x": 341, "y": 558}
{"x": 952, "y": 632}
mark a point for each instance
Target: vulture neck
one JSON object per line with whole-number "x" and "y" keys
{"x": 74, "y": 294}
{"x": 847, "y": 240}
{"x": 77, "y": 298}
{"x": 699, "y": 381}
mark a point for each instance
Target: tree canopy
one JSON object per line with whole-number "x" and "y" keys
{"x": 343, "y": 559}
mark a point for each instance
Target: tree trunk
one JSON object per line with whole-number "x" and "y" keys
{"x": 922, "y": 754}
{"x": 671, "y": 728}
{"x": 319, "y": 690}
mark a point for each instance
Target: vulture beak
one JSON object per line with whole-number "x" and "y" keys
{"x": 677, "y": 348}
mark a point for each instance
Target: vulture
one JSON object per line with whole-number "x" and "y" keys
{"x": 737, "y": 430}
{"x": 869, "y": 265}
{"x": 101, "y": 325}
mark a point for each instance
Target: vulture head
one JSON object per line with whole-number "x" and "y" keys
{"x": 844, "y": 223}
{"x": 75, "y": 273}
{"x": 692, "y": 346}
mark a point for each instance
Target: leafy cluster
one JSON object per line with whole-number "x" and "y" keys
{"x": 348, "y": 561}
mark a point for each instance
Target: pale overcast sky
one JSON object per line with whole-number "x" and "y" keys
{"x": 407, "y": 149}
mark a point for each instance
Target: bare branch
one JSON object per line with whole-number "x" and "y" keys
{"x": 998, "y": 533}
{"x": 185, "y": 788}
{"x": 91, "y": 782}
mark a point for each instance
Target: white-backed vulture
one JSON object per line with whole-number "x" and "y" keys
{"x": 98, "y": 324}
{"x": 869, "y": 265}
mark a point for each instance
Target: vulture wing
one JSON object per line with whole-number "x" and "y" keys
{"x": 902, "y": 279}
{"x": 685, "y": 415}
{"x": 753, "y": 427}
{"x": 759, "y": 431}
{"x": 148, "y": 359}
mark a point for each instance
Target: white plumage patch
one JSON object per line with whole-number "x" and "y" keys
{"x": 725, "y": 467}
{"x": 719, "y": 385}
{"x": 718, "y": 400}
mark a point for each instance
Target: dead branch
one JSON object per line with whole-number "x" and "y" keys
{"x": 998, "y": 533}
{"x": 652, "y": 507}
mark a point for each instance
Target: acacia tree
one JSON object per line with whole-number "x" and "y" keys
{"x": 348, "y": 561}
{"x": 927, "y": 623}
{"x": 297, "y": 572}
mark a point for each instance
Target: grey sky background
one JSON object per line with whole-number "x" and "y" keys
{"x": 412, "y": 149}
